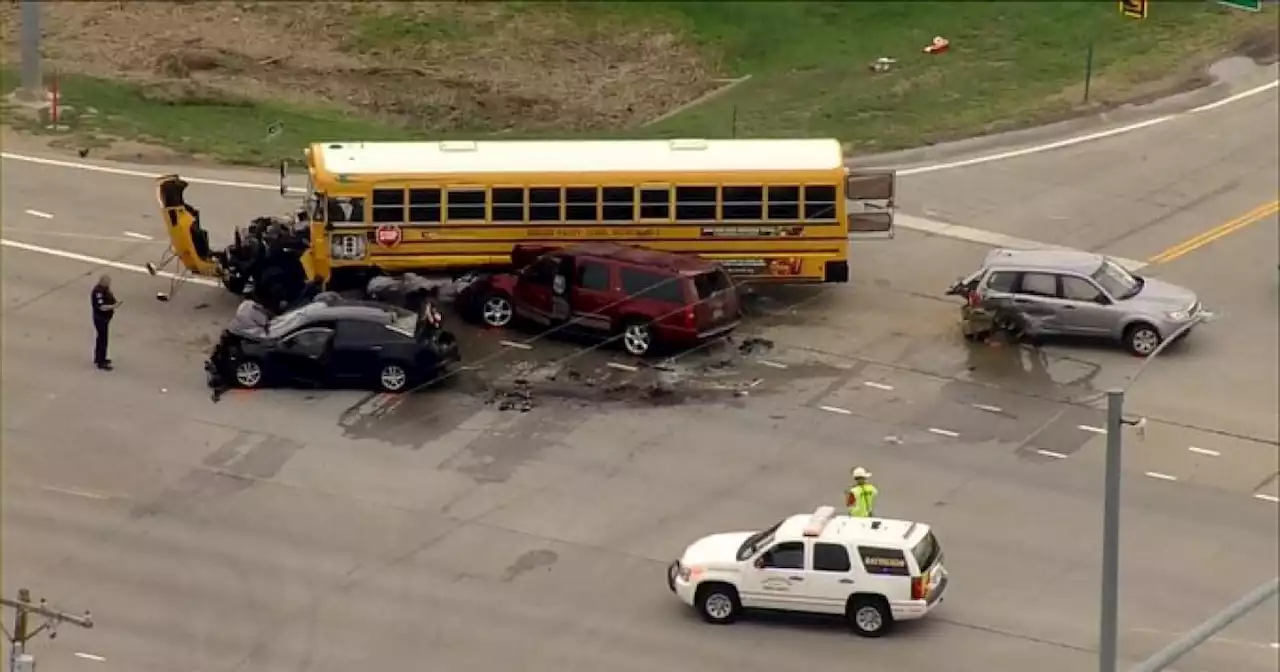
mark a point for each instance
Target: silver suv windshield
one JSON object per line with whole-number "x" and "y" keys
{"x": 1118, "y": 282}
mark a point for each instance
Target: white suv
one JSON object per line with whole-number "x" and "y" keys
{"x": 873, "y": 571}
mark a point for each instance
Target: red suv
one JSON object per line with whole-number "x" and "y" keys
{"x": 648, "y": 299}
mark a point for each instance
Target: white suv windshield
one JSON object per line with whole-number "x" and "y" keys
{"x": 757, "y": 541}
{"x": 1118, "y": 282}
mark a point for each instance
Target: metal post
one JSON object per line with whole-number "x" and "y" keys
{"x": 1088, "y": 71}
{"x": 32, "y": 86}
{"x": 1179, "y": 647}
{"x": 1111, "y": 535}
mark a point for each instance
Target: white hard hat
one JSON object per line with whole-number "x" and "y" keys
{"x": 859, "y": 472}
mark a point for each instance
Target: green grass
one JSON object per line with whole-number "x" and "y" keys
{"x": 1011, "y": 63}
{"x": 228, "y": 129}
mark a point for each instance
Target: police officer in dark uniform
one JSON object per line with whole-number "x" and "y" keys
{"x": 104, "y": 305}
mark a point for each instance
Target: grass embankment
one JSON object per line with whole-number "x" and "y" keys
{"x": 1010, "y": 64}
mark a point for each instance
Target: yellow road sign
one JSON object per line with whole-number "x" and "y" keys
{"x": 1134, "y": 9}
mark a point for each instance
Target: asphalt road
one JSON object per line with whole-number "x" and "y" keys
{"x": 295, "y": 530}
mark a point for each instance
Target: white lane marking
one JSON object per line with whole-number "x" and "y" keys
{"x": 1204, "y": 451}
{"x": 622, "y": 367}
{"x": 110, "y": 170}
{"x": 943, "y": 432}
{"x": 38, "y": 213}
{"x": 878, "y": 386}
{"x": 1050, "y": 453}
{"x": 1214, "y": 640}
{"x": 836, "y": 409}
{"x": 989, "y": 238}
{"x": 66, "y": 234}
{"x": 514, "y": 344}
{"x": 96, "y": 261}
{"x": 1091, "y": 428}
{"x": 139, "y": 236}
{"x": 1233, "y": 98}
{"x": 90, "y": 656}
{"x": 988, "y": 408}
{"x": 1266, "y": 497}
{"x": 73, "y": 492}
{"x": 1159, "y": 476}
{"x": 771, "y": 364}
{"x": 1087, "y": 137}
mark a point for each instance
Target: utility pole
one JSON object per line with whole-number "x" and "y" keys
{"x": 32, "y": 83}
{"x": 22, "y": 633}
{"x": 1108, "y": 624}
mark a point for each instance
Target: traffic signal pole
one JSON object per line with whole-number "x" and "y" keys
{"x": 24, "y": 610}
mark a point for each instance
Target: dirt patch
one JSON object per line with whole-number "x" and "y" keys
{"x": 429, "y": 66}
{"x": 1263, "y": 46}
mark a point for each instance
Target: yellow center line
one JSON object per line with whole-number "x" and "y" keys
{"x": 1196, "y": 242}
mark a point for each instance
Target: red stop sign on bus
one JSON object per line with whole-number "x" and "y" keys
{"x": 388, "y": 235}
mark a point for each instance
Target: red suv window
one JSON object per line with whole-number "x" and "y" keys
{"x": 593, "y": 275}
{"x": 638, "y": 284}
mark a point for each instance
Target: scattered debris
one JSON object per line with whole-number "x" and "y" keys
{"x": 882, "y": 64}
{"x": 893, "y": 439}
{"x": 754, "y": 345}
{"x": 518, "y": 398}
{"x": 939, "y": 45}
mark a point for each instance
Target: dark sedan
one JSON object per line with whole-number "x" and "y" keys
{"x": 333, "y": 343}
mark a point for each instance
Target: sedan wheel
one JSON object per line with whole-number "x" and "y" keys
{"x": 496, "y": 310}
{"x": 249, "y": 374}
{"x": 393, "y": 378}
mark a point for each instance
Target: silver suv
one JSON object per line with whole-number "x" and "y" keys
{"x": 1068, "y": 293}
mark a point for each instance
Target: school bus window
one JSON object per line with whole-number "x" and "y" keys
{"x": 619, "y": 204}
{"x": 508, "y": 204}
{"x": 655, "y": 203}
{"x": 819, "y": 203}
{"x": 784, "y": 202}
{"x": 743, "y": 203}
{"x": 580, "y": 204}
{"x": 695, "y": 203}
{"x": 466, "y": 204}
{"x": 345, "y": 210}
{"x": 424, "y": 206}
{"x": 388, "y": 206}
{"x": 544, "y": 204}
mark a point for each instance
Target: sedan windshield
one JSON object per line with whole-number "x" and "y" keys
{"x": 287, "y": 322}
{"x": 1118, "y": 282}
{"x": 757, "y": 541}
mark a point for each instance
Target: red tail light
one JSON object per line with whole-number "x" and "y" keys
{"x": 690, "y": 319}
{"x": 918, "y": 588}
{"x": 974, "y": 300}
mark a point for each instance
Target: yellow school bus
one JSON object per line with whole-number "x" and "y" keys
{"x": 770, "y": 210}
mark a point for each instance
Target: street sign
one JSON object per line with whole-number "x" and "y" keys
{"x": 1246, "y": 5}
{"x": 388, "y": 235}
{"x": 1134, "y": 9}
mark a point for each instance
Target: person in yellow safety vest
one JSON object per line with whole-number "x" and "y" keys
{"x": 861, "y": 498}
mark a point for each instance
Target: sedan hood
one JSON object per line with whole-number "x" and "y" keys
{"x": 1165, "y": 295}
{"x": 717, "y": 549}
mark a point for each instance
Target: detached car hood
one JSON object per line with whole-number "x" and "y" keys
{"x": 717, "y": 549}
{"x": 1165, "y": 295}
